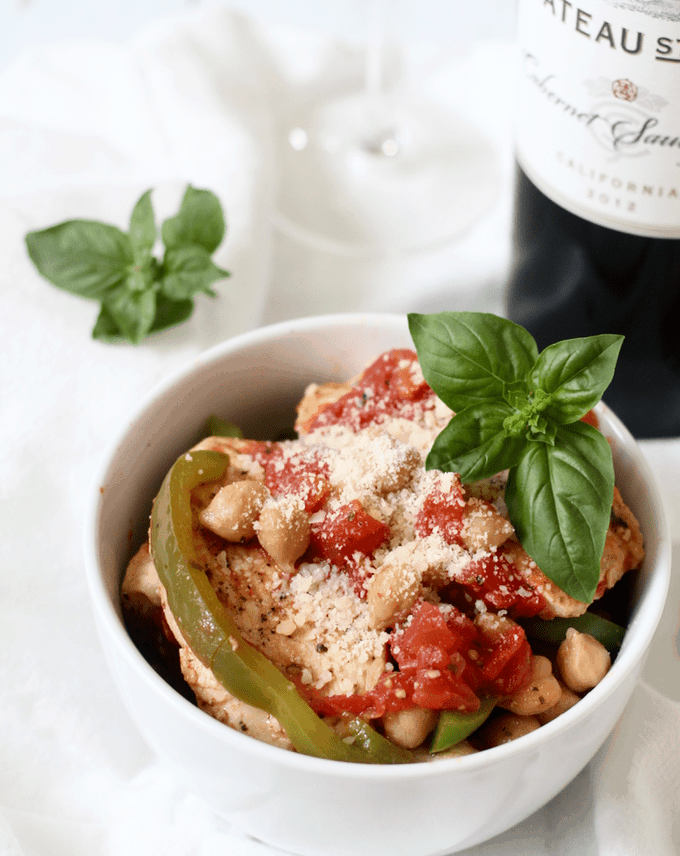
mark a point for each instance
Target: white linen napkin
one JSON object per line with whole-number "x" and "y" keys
{"x": 84, "y": 130}
{"x": 625, "y": 803}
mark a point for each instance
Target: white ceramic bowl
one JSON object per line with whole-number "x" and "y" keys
{"x": 308, "y": 805}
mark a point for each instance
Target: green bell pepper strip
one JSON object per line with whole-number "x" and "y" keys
{"x": 213, "y": 636}
{"x": 368, "y": 739}
{"x": 554, "y": 630}
{"x": 454, "y": 726}
{"x": 218, "y": 427}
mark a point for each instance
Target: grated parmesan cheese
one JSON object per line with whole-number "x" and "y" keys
{"x": 328, "y": 627}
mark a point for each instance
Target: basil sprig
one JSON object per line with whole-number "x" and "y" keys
{"x": 519, "y": 410}
{"x": 139, "y": 292}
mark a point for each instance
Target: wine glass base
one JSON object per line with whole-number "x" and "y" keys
{"x": 357, "y": 182}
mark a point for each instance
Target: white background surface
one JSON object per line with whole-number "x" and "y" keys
{"x": 454, "y": 23}
{"x": 92, "y": 113}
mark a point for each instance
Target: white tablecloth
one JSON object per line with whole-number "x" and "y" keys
{"x": 84, "y": 130}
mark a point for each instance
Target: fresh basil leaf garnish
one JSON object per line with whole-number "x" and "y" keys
{"x": 474, "y": 445}
{"x": 559, "y": 499}
{"x": 470, "y": 357}
{"x": 143, "y": 232}
{"x": 169, "y": 313}
{"x": 142, "y": 277}
{"x": 84, "y": 257}
{"x": 139, "y": 293}
{"x": 188, "y": 270}
{"x": 519, "y": 410}
{"x": 106, "y": 328}
{"x": 575, "y": 374}
{"x": 133, "y": 312}
{"x": 199, "y": 221}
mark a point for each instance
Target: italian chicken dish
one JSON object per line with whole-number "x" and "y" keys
{"x": 364, "y": 598}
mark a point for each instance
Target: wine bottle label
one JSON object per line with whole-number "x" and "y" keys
{"x": 598, "y": 109}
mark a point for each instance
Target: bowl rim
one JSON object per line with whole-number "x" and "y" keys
{"x": 109, "y": 620}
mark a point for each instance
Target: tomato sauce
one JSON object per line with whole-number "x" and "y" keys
{"x": 302, "y": 474}
{"x": 442, "y": 512}
{"x": 344, "y": 537}
{"x": 390, "y": 387}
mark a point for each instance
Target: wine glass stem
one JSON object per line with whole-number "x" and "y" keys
{"x": 375, "y": 50}
{"x": 381, "y": 137}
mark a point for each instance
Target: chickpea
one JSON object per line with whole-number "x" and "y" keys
{"x": 582, "y": 661}
{"x": 409, "y": 728}
{"x": 541, "y": 667}
{"x": 483, "y": 527}
{"x": 283, "y": 529}
{"x": 457, "y": 751}
{"x": 393, "y": 590}
{"x": 141, "y": 587}
{"x": 542, "y": 693}
{"x": 234, "y": 509}
{"x": 507, "y": 727}
{"x": 567, "y": 700}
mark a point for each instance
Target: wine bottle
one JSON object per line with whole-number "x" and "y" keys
{"x": 597, "y": 204}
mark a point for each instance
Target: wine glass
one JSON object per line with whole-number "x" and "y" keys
{"x": 380, "y": 173}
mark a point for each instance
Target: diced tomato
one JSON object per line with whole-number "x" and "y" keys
{"x": 346, "y": 531}
{"x": 590, "y": 418}
{"x": 261, "y": 450}
{"x": 441, "y": 689}
{"x": 442, "y": 511}
{"x": 314, "y": 491}
{"x": 302, "y": 475}
{"x": 436, "y": 689}
{"x": 463, "y": 627}
{"x": 431, "y": 671}
{"x": 425, "y": 641}
{"x": 395, "y": 373}
{"x": 393, "y": 692}
{"x": 443, "y": 662}
{"x": 601, "y": 589}
{"x": 506, "y": 662}
{"x": 391, "y": 386}
{"x": 494, "y": 579}
{"x": 406, "y": 383}
{"x": 434, "y": 646}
